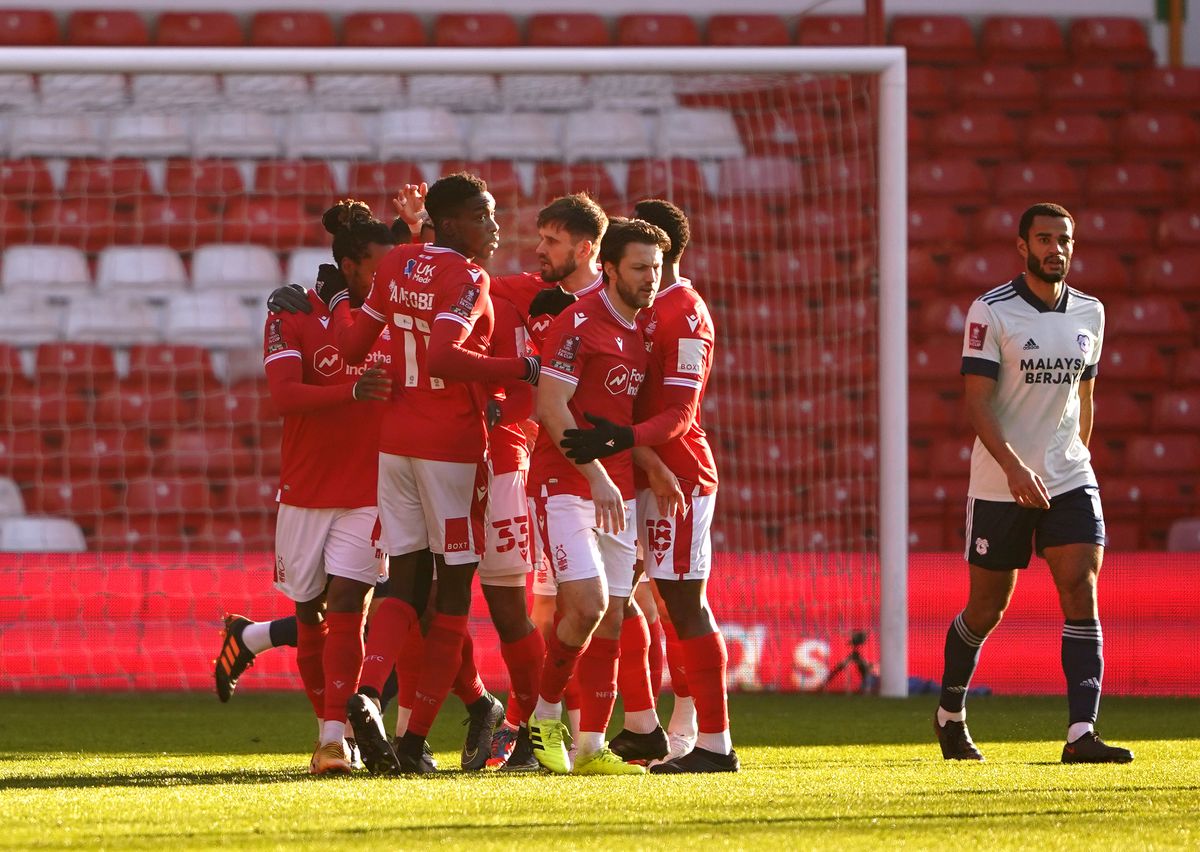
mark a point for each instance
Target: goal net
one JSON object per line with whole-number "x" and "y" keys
{"x": 151, "y": 202}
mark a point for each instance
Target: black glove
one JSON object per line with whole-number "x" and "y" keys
{"x": 492, "y": 413}
{"x": 533, "y": 369}
{"x": 552, "y": 300}
{"x": 607, "y": 439}
{"x": 289, "y": 299}
{"x": 331, "y": 285}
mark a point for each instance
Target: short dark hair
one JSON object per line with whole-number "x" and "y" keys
{"x": 448, "y": 194}
{"x": 354, "y": 228}
{"x": 622, "y": 232}
{"x": 1044, "y": 208}
{"x": 671, "y": 219}
{"x": 578, "y": 214}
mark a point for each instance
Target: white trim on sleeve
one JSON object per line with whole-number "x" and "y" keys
{"x": 284, "y": 353}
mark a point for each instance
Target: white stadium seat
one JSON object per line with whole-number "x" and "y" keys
{"x": 40, "y": 535}
{"x": 272, "y": 92}
{"x": 12, "y": 505}
{"x": 150, "y": 273}
{"x": 546, "y": 91}
{"x": 244, "y": 269}
{"x": 46, "y": 271}
{"x": 56, "y": 136}
{"x": 358, "y": 91}
{"x": 303, "y": 262}
{"x": 112, "y": 319}
{"x": 92, "y": 91}
{"x": 16, "y": 91}
{"x": 599, "y": 135}
{"x": 148, "y": 135}
{"x": 159, "y": 91}
{"x": 453, "y": 91}
{"x": 516, "y": 136}
{"x": 329, "y": 135}
{"x": 632, "y": 91}
{"x": 699, "y": 134}
{"x": 416, "y": 134}
{"x": 216, "y": 320}
{"x": 235, "y": 134}
{"x": 27, "y": 319}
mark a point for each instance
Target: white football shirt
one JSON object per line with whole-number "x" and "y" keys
{"x": 1038, "y": 355}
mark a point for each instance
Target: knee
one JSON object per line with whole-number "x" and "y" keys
{"x": 982, "y": 617}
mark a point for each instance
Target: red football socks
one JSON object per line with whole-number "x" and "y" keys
{"x": 707, "y": 659}
{"x": 467, "y": 684}
{"x": 633, "y": 671}
{"x": 443, "y": 642}
{"x": 557, "y": 669}
{"x": 343, "y": 660}
{"x": 676, "y": 663}
{"x": 524, "y": 661}
{"x": 408, "y": 666}
{"x": 655, "y": 657}
{"x": 390, "y": 626}
{"x": 310, "y": 649}
{"x": 598, "y": 683}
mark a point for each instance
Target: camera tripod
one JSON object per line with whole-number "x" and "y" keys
{"x": 867, "y": 677}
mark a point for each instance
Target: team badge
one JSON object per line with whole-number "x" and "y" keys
{"x": 981, "y": 546}
{"x": 466, "y": 301}
{"x": 976, "y": 334}
{"x": 275, "y": 337}
{"x": 1085, "y": 343}
{"x": 568, "y": 349}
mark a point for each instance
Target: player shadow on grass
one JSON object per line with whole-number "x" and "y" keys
{"x": 157, "y": 779}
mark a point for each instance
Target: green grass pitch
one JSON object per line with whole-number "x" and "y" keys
{"x": 149, "y": 771}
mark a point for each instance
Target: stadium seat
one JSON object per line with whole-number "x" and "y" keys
{"x": 925, "y": 276}
{"x": 302, "y": 265}
{"x": 1163, "y": 454}
{"x": 1159, "y": 317}
{"x": 1072, "y": 138}
{"x": 831, "y": 30}
{"x": 548, "y": 91}
{"x": 1158, "y": 136}
{"x": 951, "y": 457}
{"x": 979, "y": 134}
{"x": 513, "y": 136}
{"x": 928, "y": 91}
{"x": 111, "y": 177}
{"x": 567, "y": 29}
{"x": 1019, "y": 184}
{"x": 657, "y": 30}
{"x": 169, "y": 366}
{"x": 382, "y": 29}
{"x": 245, "y": 405}
{"x": 933, "y": 410}
{"x": 26, "y": 179}
{"x": 1168, "y": 88}
{"x": 1137, "y": 185}
{"x": 28, "y": 318}
{"x": 291, "y": 29}
{"x": 1179, "y": 228}
{"x": 199, "y": 29}
{"x": 979, "y": 271}
{"x": 112, "y": 320}
{"x": 1177, "y": 411}
{"x": 16, "y": 221}
{"x": 235, "y": 134}
{"x": 40, "y": 535}
{"x": 1087, "y": 88}
{"x": 1012, "y": 88}
{"x": 179, "y": 222}
{"x": 188, "y": 498}
{"x": 64, "y": 92}
{"x": 28, "y": 28}
{"x": 71, "y": 366}
{"x": 55, "y": 136}
{"x": 310, "y": 180}
{"x": 281, "y": 223}
{"x": 86, "y": 223}
{"x": 551, "y": 179}
{"x": 747, "y": 31}
{"x": 350, "y": 91}
{"x": 267, "y": 92}
{"x": 249, "y": 269}
{"x": 216, "y": 320}
{"x": 936, "y": 362}
{"x": 722, "y": 270}
{"x": 1186, "y": 372}
{"x": 608, "y": 135}
{"x": 12, "y": 504}
{"x": 633, "y": 91}
{"x": 1122, "y": 412}
{"x": 148, "y": 135}
{"x": 1133, "y": 362}
{"x": 165, "y": 91}
{"x": 935, "y": 39}
{"x": 107, "y": 28}
{"x": 1169, "y": 270}
{"x": 779, "y": 178}
{"x": 153, "y": 410}
{"x": 1127, "y": 230}
{"x": 1027, "y": 41}
{"x": 17, "y": 92}
{"x": 1099, "y": 270}
{"x": 1184, "y": 536}
{"x": 1109, "y": 41}
{"x": 959, "y": 182}
{"x": 212, "y": 180}
{"x": 697, "y": 133}
{"x": 679, "y": 178}
{"x": 46, "y": 271}
{"x": 80, "y": 499}
{"x": 370, "y": 180}
{"x": 216, "y": 453}
{"x": 935, "y": 225}
{"x": 414, "y": 134}
{"x": 475, "y": 30}
{"x": 151, "y": 273}
{"x": 457, "y": 92}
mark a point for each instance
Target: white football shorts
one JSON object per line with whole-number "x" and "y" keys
{"x": 578, "y": 550}
{"x": 507, "y": 532}
{"x": 431, "y": 504}
{"x": 679, "y": 547}
{"x": 312, "y": 545}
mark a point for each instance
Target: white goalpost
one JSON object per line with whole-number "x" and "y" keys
{"x": 799, "y": 221}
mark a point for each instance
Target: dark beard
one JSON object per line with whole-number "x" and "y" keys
{"x": 1035, "y": 267}
{"x": 553, "y": 276}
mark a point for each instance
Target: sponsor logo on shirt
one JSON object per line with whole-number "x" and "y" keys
{"x": 327, "y": 361}
{"x": 976, "y": 335}
{"x": 458, "y": 538}
{"x": 580, "y": 319}
{"x": 420, "y": 271}
{"x": 622, "y": 380}
{"x": 1051, "y": 371}
{"x": 466, "y": 301}
{"x": 569, "y": 348}
{"x": 275, "y": 337}
{"x": 691, "y": 356}
{"x": 413, "y": 299}
{"x": 693, "y": 322}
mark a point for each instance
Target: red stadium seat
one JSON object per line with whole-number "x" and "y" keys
{"x": 139, "y": 533}
{"x": 981, "y": 270}
{"x": 16, "y": 222}
{"x": 951, "y": 457}
{"x": 1139, "y": 185}
{"x": 1168, "y": 88}
{"x": 115, "y": 453}
{"x": 1159, "y": 317}
{"x": 181, "y": 222}
{"x": 959, "y": 182}
{"x": 199, "y": 29}
{"x": 935, "y": 39}
{"x": 1120, "y": 227}
{"x": 1020, "y": 184}
{"x": 26, "y": 179}
{"x": 310, "y": 180}
{"x": 935, "y": 225}
{"x": 1099, "y": 270}
{"x": 1187, "y": 369}
{"x": 926, "y": 536}
{"x": 1121, "y": 411}
{"x": 927, "y": 89}
{"x": 1158, "y": 136}
{"x": 747, "y": 31}
{"x": 553, "y": 179}
{"x": 657, "y": 30}
{"x": 791, "y": 132}
{"x": 777, "y": 178}
{"x": 12, "y": 372}
{"x": 1177, "y": 411}
{"x": 1109, "y": 41}
{"x": 86, "y": 223}
{"x": 476, "y": 30}
{"x": 252, "y": 495}
{"x": 1135, "y": 362}
{"x": 979, "y": 134}
{"x": 720, "y": 270}
{"x": 1011, "y": 88}
{"x": 107, "y": 28}
{"x": 191, "y": 497}
{"x": 380, "y": 180}
{"x": 383, "y": 29}
{"x": 215, "y": 180}
{"x": 924, "y": 273}
{"x": 291, "y": 29}
{"x": 568, "y": 29}
{"x": 501, "y": 176}
{"x": 216, "y": 453}
{"x": 245, "y": 403}
{"x": 74, "y": 366}
{"x": 1078, "y": 138}
{"x": 678, "y": 179}
{"x": 1163, "y": 454}
{"x": 281, "y": 223}
{"x": 831, "y": 30}
{"x": 918, "y": 137}
{"x": 154, "y": 409}
{"x": 47, "y": 406}
{"x": 82, "y": 500}
{"x": 251, "y": 532}
{"x": 933, "y": 410}
{"x": 1096, "y": 88}
{"x": 175, "y": 366}
{"x": 111, "y": 178}
{"x": 1179, "y": 228}
{"x": 28, "y": 28}
{"x": 1027, "y": 41}
{"x": 936, "y": 362}
{"x": 1184, "y": 536}
{"x": 1169, "y": 270}
{"x": 22, "y": 453}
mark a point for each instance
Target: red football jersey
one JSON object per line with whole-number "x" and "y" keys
{"x": 520, "y": 290}
{"x": 680, "y": 338}
{"x": 592, "y": 347}
{"x": 330, "y": 441}
{"x": 507, "y": 445}
{"x": 415, "y": 287}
